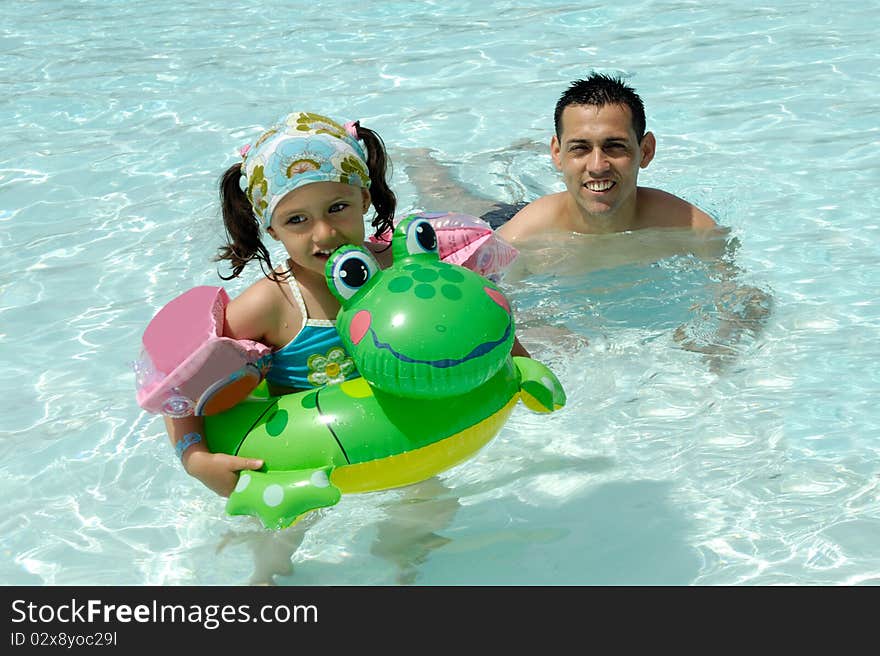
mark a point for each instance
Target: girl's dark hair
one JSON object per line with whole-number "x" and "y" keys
{"x": 381, "y": 196}
{"x": 243, "y": 242}
{"x": 243, "y": 230}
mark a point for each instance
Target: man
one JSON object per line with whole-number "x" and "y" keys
{"x": 599, "y": 146}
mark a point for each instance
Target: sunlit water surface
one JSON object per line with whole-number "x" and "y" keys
{"x": 669, "y": 465}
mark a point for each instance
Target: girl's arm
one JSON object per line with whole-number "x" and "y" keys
{"x": 256, "y": 313}
{"x": 217, "y": 471}
{"x": 248, "y": 316}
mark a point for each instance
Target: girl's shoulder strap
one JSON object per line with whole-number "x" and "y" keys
{"x": 301, "y": 304}
{"x": 297, "y": 296}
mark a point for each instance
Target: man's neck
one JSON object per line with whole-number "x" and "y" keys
{"x": 621, "y": 219}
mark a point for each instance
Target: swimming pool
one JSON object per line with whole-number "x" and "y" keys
{"x": 663, "y": 469}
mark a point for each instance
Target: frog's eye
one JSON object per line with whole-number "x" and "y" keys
{"x": 351, "y": 271}
{"x": 420, "y": 238}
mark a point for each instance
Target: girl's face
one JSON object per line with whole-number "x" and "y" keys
{"x": 314, "y": 220}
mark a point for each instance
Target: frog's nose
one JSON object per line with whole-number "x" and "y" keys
{"x": 498, "y": 297}
{"x": 359, "y": 326}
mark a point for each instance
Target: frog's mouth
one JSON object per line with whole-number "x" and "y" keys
{"x": 361, "y": 325}
{"x": 443, "y": 363}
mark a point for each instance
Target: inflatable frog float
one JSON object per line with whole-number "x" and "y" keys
{"x": 432, "y": 342}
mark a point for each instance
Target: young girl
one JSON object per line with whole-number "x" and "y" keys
{"x": 307, "y": 182}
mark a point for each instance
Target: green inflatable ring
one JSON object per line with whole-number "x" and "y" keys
{"x": 432, "y": 343}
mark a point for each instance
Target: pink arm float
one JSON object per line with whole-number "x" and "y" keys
{"x": 187, "y": 366}
{"x": 467, "y": 241}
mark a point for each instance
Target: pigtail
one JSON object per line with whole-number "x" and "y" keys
{"x": 242, "y": 228}
{"x": 383, "y": 198}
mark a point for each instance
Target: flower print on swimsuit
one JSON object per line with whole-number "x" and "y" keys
{"x": 330, "y": 369}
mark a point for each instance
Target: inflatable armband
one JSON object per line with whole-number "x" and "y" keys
{"x": 467, "y": 241}
{"x": 187, "y": 366}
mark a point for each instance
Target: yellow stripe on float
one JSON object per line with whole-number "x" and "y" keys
{"x": 419, "y": 464}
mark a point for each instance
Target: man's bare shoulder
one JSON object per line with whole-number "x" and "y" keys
{"x": 539, "y": 216}
{"x": 660, "y": 209}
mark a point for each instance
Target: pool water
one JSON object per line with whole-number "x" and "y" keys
{"x": 699, "y": 446}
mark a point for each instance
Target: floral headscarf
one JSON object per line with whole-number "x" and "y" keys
{"x": 300, "y": 149}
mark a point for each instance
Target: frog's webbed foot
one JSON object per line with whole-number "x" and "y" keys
{"x": 280, "y": 498}
{"x": 540, "y": 389}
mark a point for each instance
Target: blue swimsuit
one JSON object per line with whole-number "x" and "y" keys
{"x": 314, "y": 357}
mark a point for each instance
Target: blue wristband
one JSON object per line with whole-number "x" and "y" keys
{"x": 186, "y": 442}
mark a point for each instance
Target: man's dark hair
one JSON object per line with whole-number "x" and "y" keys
{"x": 600, "y": 90}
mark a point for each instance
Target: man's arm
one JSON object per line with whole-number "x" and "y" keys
{"x": 436, "y": 188}
{"x": 741, "y": 310}
{"x": 535, "y": 218}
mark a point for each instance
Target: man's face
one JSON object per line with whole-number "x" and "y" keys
{"x": 600, "y": 156}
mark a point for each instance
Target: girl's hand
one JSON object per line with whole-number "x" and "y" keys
{"x": 217, "y": 471}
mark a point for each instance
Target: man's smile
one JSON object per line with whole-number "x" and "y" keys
{"x": 599, "y": 186}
